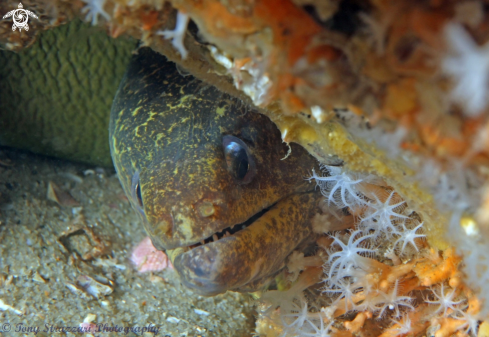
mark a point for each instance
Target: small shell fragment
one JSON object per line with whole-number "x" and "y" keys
{"x": 73, "y": 177}
{"x": 59, "y": 196}
{"x": 5, "y": 307}
{"x": 201, "y": 312}
{"x": 38, "y": 278}
{"x": 77, "y": 290}
{"x": 108, "y": 263}
{"x": 89, "y": 318}
{"x": 93, "y": 287}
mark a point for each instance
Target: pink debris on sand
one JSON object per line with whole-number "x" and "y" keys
{"x": 87, "y": 327}
{"x": 147, "y": 258}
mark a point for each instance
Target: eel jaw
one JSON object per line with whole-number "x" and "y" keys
{"x": 250, "y": 254}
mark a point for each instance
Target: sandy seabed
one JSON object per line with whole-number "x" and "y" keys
{"x": 65, "y": 264}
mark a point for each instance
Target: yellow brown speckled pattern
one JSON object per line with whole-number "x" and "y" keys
{"x": 168, "y": 130}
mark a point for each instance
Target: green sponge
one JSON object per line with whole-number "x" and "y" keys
{"x": 55, "y": 96}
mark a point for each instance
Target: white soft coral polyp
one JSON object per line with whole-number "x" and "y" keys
{"x": 349, "y": 255}
{"x": 298, "y": 321}
{"x": 445, "y": 300}
{"x": 382, "y": 215}
{"x": 339, "y": 187}
{"x": 468, "y": 65}
{"x": 408, "y": 236}
{"x": 392, "y": 301}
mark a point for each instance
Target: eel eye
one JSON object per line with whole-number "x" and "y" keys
{"x": 136, "y": 192}
{"x": 239, "y": 160}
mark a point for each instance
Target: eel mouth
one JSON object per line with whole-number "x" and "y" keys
{"x": 237, "y": 257}
{"x": 231, "y": 230}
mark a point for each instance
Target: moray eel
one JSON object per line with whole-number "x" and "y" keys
{"x": 210, "y": 177}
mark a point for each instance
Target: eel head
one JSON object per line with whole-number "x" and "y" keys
{"x": 210, "y": 177}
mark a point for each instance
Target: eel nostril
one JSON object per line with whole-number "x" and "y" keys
{"x": 206, "y": 209}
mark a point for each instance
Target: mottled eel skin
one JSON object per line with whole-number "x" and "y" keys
{"x": 195, "y": 163}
